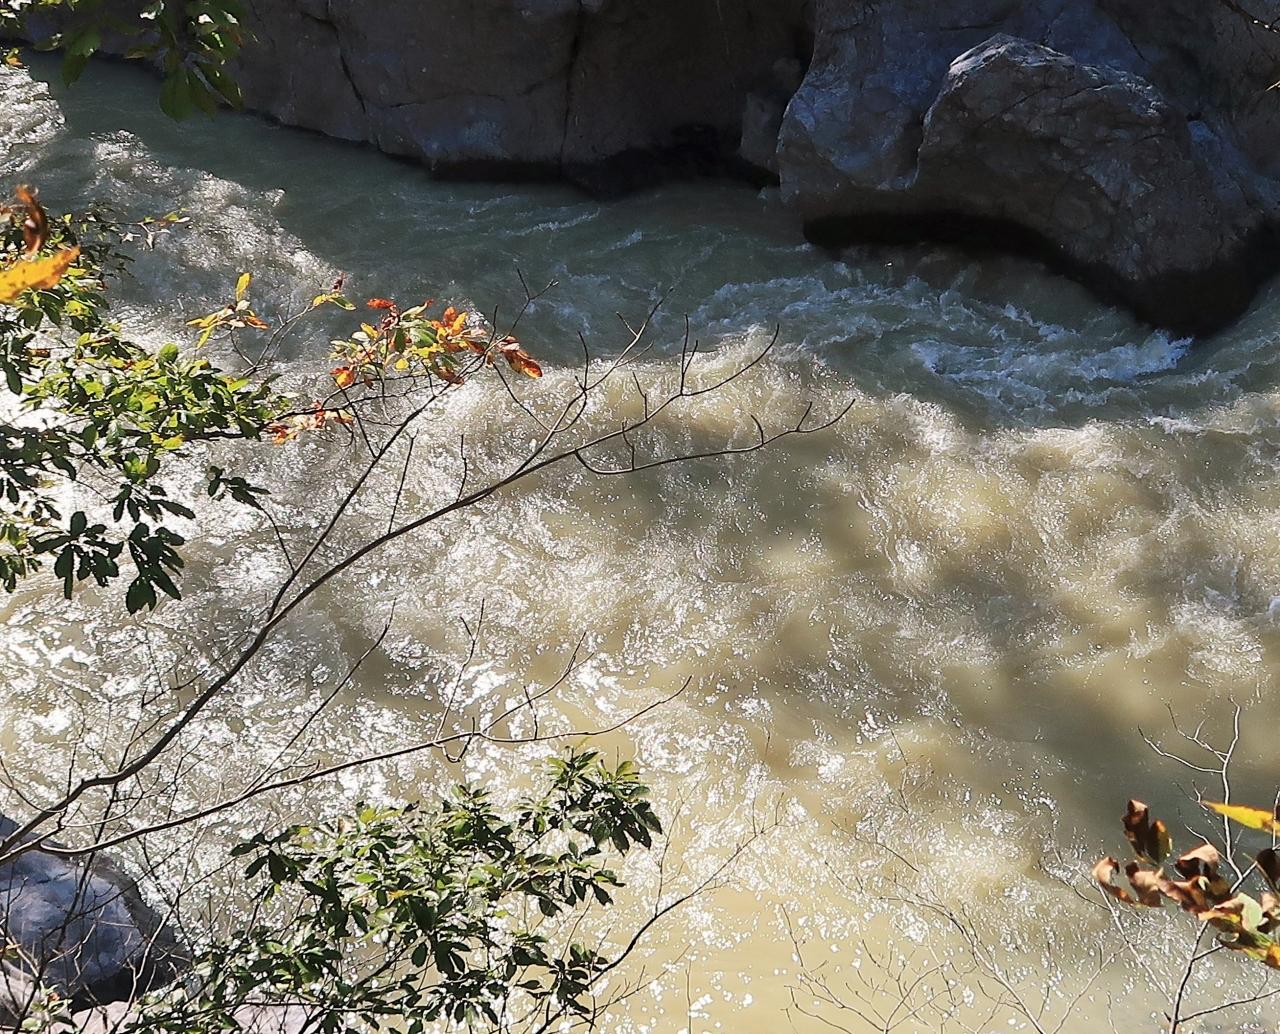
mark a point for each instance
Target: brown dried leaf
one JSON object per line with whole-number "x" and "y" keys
{"x": 35, "y": 224}
{"x": 1190, "y": 894}
{"x": 1270, "y": 912}
{"x": 1203, "y": 861}
{"x": 1105, "y": 873}
{"x": 519, "y": 360}
{"x": 1146, "y": 883}
{"x": 1149, "y": 837}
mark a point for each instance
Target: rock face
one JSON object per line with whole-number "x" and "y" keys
{"x": 1132, "y": 143}
{"x": 81, "y": 929}
{"x": 557, "y": 86}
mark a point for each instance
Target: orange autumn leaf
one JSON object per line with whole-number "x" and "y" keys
{"x": 452, "y": 321}
{"x": 381, "y": 303}
{"x": 281, "y": 432}
{"x": 35, "y": 225}
{"x": 35, "y": 274}
{"x": 518, "y": 359}
{"x": 343, "y": 376}
{"x": 291, "y": 428}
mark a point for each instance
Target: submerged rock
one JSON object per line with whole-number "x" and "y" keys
{"x": 80, "y": 928}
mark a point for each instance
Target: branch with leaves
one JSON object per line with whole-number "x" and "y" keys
{"x": 191, "y": 42}
{"x": 120, "y": 413}
{"x": 1209, "y": 882}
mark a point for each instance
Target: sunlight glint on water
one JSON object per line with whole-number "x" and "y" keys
{"x": 939, "y": 625}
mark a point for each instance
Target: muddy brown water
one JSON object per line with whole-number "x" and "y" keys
{"x": 920, "y": 645}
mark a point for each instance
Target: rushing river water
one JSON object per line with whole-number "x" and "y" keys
{"x": 923, "y": 641}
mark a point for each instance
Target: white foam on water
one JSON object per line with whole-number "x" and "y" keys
{"x": 29, "y": 118}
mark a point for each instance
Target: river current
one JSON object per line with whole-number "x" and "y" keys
{"x": 920, "y": 645}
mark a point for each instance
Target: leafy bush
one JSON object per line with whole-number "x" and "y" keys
{"x": 85, "y": 404}
{"x": 190, "y": 41}
{"x": 443, "y": 912}
{"x": 88, "y": 405}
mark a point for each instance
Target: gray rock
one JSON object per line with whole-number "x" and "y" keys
{"x": 551, "y": 85}
{"x": 252, "y": 1019}
{"x": 763, "y": 113}
{"x": 1094, "y": 160}
{"x": 81, "y": 928}
{"x": 1122, "y": 140}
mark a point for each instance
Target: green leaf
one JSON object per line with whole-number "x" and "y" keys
{"x": 141, "y": 594}
{"x": 175, "y": 96}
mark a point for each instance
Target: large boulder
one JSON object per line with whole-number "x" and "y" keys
{"x": 1123, "y": 140}
{"x": 79, "y": 927}
{"x": 1101, "y": 166}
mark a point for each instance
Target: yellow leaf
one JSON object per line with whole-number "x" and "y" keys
{"x": 1253, "y": 818}
{"x": 242, "y": 285}
{"x": 35, "y": 275}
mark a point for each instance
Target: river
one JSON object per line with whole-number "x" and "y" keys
{"x": 921, "y": 644}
